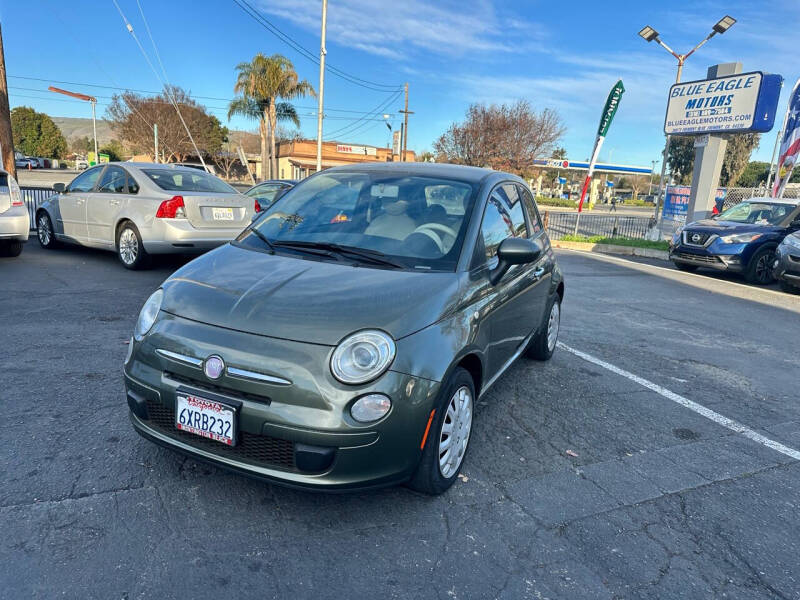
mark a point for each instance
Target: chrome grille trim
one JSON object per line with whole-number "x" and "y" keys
{"x": 255, "y": 376}
{"x": 182, "y": 358}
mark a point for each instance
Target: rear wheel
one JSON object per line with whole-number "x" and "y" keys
{"x": 543, "y": 344}
{"x": 759, "y": 270}
{"x": 11, "y": 248}
{"x": 685, "y": 267}
{"x": 130, "y": 251}
{"x": 44, "y": 231}
{"x": 448, "y": 436}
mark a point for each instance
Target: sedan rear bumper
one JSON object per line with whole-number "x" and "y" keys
{"x": 15, "y": 224}
{"x": 178, "y": 235}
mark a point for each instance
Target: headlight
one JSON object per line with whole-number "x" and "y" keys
{"x": 148, "y": 314}
{"x": 370, "y": 408}
{"x": 362, "y": 357}
{"x": 741, "y": 238}
{"x": 791, "y": 240}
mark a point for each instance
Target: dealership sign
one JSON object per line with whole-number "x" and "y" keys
{"x": 735, "y": 103}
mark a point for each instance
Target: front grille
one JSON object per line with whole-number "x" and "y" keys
{"x": 259, "y": 450}
{"x": 210, "y": 387}
{"x": 698, "y": 258}
{"x": 695, "y": 238}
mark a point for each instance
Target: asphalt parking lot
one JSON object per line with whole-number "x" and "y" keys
{"x": 581, "y": 481}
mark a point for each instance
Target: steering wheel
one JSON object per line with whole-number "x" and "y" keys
{"x": 435, "y": 231}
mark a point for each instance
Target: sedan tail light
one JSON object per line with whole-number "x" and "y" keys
{"x": 16, "y": 193}
{"x": 256, "y": 206}
{"x": 172, "y": 209}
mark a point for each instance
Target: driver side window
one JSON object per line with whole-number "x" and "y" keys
{"x": 502, "y": 218}
{"x": 86, "y": 181}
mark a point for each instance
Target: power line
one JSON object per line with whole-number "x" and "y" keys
{"x": 269, "y": 26}
{"x": 353, "y": 127}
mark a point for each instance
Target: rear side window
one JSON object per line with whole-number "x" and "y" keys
{"x": 85, "y": 181}
{"x": 186, "y": 180}
{"x": 534, "y": 220}
{"x": 113, "y": 181}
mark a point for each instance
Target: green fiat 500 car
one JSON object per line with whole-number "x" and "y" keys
{"x": 343, "y": 339}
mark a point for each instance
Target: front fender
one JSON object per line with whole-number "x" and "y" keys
{"x": 51, "y": 207}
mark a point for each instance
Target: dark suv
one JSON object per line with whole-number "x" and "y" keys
{"x": 741, "y": 239}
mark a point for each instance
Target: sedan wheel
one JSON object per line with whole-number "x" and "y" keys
{"x": 456, "y": 428}
{"x": 759, "y": 271}
{"x": 553, "y": 325}
{"x": 44, "y": 231}
{"x": 130, "y": 250}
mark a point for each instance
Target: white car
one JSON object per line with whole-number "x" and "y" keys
{"x": 14, "y": 219}
{"x": 139, "y": 209}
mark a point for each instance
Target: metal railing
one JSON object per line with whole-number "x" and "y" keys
{"x": 33, "y": 198}
{"x": 559, "y": 224}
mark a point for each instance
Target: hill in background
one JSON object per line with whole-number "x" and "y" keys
{"x": 73, "y": 128}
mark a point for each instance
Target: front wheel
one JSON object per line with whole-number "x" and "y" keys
{"x": 44, "y": 231}
{"x": 447, "y": 436}
{"x": 543, "y": 344}
{"x": 759, "y": 271}
{"x": 130, "y": 250}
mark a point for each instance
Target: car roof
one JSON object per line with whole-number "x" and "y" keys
{"x": 149, "y": 165}
{"x": 450, "y": 171}
{"x": 790, "y": 201}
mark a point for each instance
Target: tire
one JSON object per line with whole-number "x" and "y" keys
{"x": 45, "y": 231}
{"x": 685, "y": 267}
{"x": 543, "y": 344}
{"x": 437, "y": 470}
{"x": 12, "y": 248}
{"x": 789, "y": 288}
{"x": 130, "y": 251}
{"x": 759, "y": 269}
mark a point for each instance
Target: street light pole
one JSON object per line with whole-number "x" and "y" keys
{"x": 649, "y": 34}
{"x": 90, "y": 99}
{"x": 320, "y": 103}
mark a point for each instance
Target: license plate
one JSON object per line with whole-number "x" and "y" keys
{"x": 206, "y": 418}
{"x": 222, "y": 213}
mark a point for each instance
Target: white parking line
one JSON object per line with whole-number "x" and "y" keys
{"x": 691, "y": 405}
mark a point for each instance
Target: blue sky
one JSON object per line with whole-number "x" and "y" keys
{"x": 564, "y": 56}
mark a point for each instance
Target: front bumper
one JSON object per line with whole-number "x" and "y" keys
{"x": 787, "y": 264}
{"x": 716, "y": 255}
{"x": 15, "y": 224}
{"x": 299, "y": 434}
{"x": 178, "y": 235}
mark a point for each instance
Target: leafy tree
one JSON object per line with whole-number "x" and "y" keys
{"x": 260, "y": 83}
{"x": 754, "y": 174}
{"x": 559, "y": 153}
{"x": 737, "y": 154}
{"x": 132, "y": 117}
{"x": 35, "y": 134}
{"x": 506, "y": 137}
{"x": 113, "y": 149}
{"x": 81, "y": 145}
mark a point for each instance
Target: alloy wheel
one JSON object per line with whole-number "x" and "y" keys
{"x": 44, "y": 231}
{"x": 764, "y": 267}
{"x": 456, "y": 427}
{"x": 553, "y": 325}
{"x": 128, "y": 246}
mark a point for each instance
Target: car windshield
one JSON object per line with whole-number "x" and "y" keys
{"x": 415, "y": 222}
{"x": 758, "y": 213}
{"x": 183, "y": 180}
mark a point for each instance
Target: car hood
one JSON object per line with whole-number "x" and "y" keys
{"x": 728, "y": 227}
{"x": 305, "y": 300}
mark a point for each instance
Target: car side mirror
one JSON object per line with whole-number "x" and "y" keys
{"x": 514, "y": 251}
{"x": 60, "y": 188}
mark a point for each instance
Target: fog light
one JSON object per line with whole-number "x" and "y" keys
{"x": 370, "y": 408}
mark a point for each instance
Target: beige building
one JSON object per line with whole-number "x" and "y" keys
{"x": 298, "y": 158}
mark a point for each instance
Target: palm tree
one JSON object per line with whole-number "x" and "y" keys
{"x": 260, "y": 83}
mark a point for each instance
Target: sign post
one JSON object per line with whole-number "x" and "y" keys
{"x": 609, "y": 110}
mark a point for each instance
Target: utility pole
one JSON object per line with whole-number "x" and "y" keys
{"x": 6, "y": 139}
{"x": 86, "y": 98}
{"x": 405, "y": 112}
{"x": 155, "y": 142}
{"x": 320, "y": 102}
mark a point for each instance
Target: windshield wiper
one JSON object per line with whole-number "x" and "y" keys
{"x": 363, "y": 254}
{"x": 264, "y": 239}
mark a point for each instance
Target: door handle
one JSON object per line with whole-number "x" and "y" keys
{"x": 113, "y": 202}
{"x": 537, "y": 274}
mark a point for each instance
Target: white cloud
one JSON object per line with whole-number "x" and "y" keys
{"x": 396, "y": 29}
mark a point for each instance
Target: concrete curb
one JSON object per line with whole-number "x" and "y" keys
{"x": 612, "y": 249}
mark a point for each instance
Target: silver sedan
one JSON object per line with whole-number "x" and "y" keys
{"x": 14, "y": 219}
{"x": 139, "y": 209}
